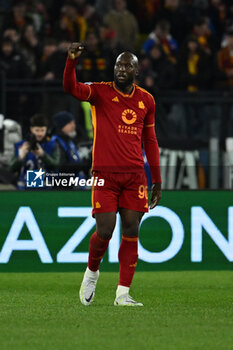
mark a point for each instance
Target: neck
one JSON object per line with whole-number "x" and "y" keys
{"x": 126, "y": 90}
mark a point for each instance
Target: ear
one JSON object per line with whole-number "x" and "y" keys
{"x": 136, "y": 72}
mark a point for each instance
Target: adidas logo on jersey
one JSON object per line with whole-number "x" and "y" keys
{"x": 115, "y": 99}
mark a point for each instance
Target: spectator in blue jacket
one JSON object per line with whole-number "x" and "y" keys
{"x": 161, "y": 36}
{"x": 65, "y": 136}
{"x": 36, "y": 152}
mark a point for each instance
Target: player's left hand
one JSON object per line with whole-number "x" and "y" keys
{"x": 156, "y": 194}
{"x": 39, "y": 152}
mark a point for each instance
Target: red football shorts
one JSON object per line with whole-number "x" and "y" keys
{"x": 120, "y": 190}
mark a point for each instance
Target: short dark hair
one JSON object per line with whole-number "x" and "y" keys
{"x": 38, "y": 120}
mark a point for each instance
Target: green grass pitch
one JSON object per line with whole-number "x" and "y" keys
{"x": 183, "y": 310}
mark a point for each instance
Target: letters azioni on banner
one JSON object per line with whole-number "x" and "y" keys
{"x": 201, "y": 224}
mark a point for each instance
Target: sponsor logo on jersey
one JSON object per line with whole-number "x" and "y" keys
{"x": 129, "y": 116}
{"x": 125, "y": 129}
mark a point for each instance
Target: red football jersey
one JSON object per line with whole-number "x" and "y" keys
{"x": 119, "y": 123}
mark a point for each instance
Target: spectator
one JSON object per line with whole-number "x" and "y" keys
{"x": 35, "y": 153}
{"x": 31, "y": 47}
{"x": 54, "y": 64}
{"x": 194, "y": 74}
{"x": 39, "y": 14}
{"x": 50, "y": 70}
{"x": 65, "y": 134}
{"x": 60, "y": 31}
{"x": 161, "y": 36}
{"x": 14, "y": 66}
{"x": 89, "y": 13}
{"x": 160, "y": 74}
{"x": 204, "y": 37}
{"x": 18, "y": 18}
{"x": 193, "y": 67}
{"x": 54, "y": 10}
{"x": 172, "y": 12}
{"x": 218, "y": 15}
{"x": 108, "y": 38}
{"x": 12, "y": 62}
{"x": 124, "y": 24}
{"x": 49, "y": 48}
{"x": 145, "y": 12}
{"x": 72, "y": 23}
{"x": 225, "y": 63}
{"x": 13, "y": 35}
{"x": 95, "y": 63}
{"x": 103, "y": 6}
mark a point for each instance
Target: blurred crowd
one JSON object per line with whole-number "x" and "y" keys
{"x": 56, "y": 151}
{"x": 184, "y": 45}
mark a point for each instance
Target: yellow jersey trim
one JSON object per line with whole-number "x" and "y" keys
{"x": 129, "y": 239}
{"x": 94, "y": 124}
{"x": 149, "y": 125}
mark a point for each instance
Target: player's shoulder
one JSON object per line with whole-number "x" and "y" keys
{"x": 145, "y": 94}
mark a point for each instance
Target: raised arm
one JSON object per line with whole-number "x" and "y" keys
{"x": 81, "y": 91}
{"x": 151, "y": 147}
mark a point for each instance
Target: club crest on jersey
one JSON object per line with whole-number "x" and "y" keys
{"x": 129, "y": 116}
{"x": 141, "y": 105}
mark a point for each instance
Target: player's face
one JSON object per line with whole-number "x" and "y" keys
{"x": 39, "y": 132}
{"x": 124, "y": 71}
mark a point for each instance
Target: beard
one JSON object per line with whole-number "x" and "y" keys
{"x": 123, "y": 84}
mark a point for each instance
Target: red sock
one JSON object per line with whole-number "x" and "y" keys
{"x": 128, "y": 256}
{"x": 97, "y": 248}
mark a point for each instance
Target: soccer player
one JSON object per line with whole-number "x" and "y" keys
{"x": 123, "y": 115}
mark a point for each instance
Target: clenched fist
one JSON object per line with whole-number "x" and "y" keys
{"x": 75, "y": 50}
